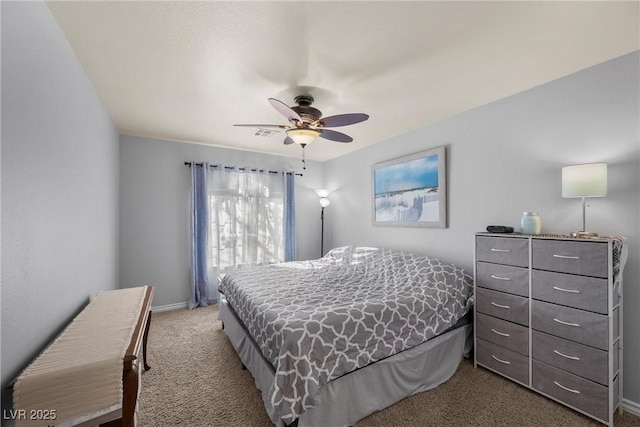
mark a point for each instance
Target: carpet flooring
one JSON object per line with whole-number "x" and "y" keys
{"x": 196, "y": 380}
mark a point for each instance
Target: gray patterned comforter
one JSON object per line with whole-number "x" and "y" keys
{"x": 318, "y": 320}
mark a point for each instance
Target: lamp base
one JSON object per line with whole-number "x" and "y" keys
{"x": 583, "y": 234}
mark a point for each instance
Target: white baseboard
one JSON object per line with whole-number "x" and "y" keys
{"x": 630, "y": 406}
{"x": 176, "y": 306}
{"x": 168, "y": 307}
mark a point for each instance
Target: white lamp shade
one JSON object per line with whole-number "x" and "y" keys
{"x": 322, "y": 192}
{"x": 303, "y": 136}
{"x": 324, "y": 202}
{"x": 588, "y": 180}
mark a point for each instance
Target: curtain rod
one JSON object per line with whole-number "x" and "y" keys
{"x": 242, "y": 169}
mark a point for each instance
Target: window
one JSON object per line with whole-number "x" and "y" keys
{"x": 238, "y": 218}
{"x": 246, "y": 218}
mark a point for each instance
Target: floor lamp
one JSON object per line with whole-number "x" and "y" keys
{"x": 323, "y": 193}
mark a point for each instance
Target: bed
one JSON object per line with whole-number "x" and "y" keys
{"x": 332, "y": 340}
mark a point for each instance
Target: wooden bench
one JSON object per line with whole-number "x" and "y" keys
{"x": 89, "y": 349}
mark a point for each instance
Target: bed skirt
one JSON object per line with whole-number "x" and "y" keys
{"x": 369, "y": 389}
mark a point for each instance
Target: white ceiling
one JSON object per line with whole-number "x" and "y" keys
{"x": 188, "y": 71}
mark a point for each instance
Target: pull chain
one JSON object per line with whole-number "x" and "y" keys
{"x": 304, "y": 163}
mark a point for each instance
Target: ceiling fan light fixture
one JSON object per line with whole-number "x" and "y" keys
{"x": 307, "y": 123}
{"x": 303, "y": 136}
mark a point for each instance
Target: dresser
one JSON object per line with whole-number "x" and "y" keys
{"x": 548, "y": 315}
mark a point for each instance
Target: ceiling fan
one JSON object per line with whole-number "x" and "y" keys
{"x": 307, "y": 123}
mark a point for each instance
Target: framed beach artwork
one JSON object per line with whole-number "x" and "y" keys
{"x": 411, "y": 191}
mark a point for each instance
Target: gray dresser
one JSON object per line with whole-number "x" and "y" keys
{"x": 548, "y": 315}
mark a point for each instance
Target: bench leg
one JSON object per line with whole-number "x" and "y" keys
{"x": 130, "y": 396}
{"x": 144, "y": 343}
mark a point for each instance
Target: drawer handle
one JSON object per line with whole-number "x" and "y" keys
{"x": 500, "y": 333}
{"x": 573, "y": 291}
{"x": 499, "y": 278}
{"x": 501, "y": 361}
{"x": 500, "y": 250}
{"x": 565, "y": 355}
{"x": 565, "y": 256}
{"x": 566, "y": 388}
{"x": 577, "y": 325}
{"x": 500, "y": 306}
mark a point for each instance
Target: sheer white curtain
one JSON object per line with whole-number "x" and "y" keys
{"x": 246, "y": 218}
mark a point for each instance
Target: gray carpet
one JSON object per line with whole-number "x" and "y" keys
{"x": 196, "y": 379}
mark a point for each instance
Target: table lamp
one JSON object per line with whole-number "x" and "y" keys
{"x": 589, "y": 180}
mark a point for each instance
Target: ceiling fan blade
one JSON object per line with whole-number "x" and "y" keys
{"x": 285, "y": 110}
{"x": 343, "y": 120}
{"x": 334, "y": 136}
{"x": 288, "y": 141}
{"x": 265, "y": 126}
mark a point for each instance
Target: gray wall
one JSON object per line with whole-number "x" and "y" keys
{"x": 505, "y": 158}
{"x": 154, "y": 209}
{"x": 59, "y": 186}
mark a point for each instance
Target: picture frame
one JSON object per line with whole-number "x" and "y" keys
{"x": 411, "y": 191}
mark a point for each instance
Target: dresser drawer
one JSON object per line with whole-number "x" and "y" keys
{"x": 505, "y": 334}
{"x": 587, "y": 293}
{"x": 504, "y": 306}
{"x": 574, "y": 257}
{"x": 587, "y": 362}
{"x": 506, "y": 362}
{"x": 503, "y": 250}
{"x": 504, "y": 278}
{"x": 576, "y": 325}
{"x": 571, "y": 389}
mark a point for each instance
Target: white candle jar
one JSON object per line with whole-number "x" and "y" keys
{"x": 530, "y": 223}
